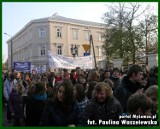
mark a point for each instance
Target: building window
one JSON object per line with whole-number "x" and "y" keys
{"x": 43, "y": 51}
{"x": 59, "y": 50}
{"x": 59, "y": 32}
{"x": 100, "y": 51}
{"x": 86, "y": 35}
{"x": 100, "y": 37}
{"x": 42, "y": 32}
{"x": 75, "y": 34}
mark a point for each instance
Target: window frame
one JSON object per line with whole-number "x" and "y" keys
{"x": 59, "y": 49}
{"x": 42, "y": 33}
{"x": 59, "y": 32}
{"x": 75, "y": 34}
{"x": 86, "y": 35}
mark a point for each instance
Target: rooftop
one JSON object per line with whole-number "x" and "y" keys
{"x": 56, "y": 17}
{"x": 59, "y": 18}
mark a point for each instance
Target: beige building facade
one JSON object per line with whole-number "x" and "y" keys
{"x": 57, "y": 34}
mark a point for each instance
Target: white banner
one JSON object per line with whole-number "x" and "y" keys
{"x": 59, "y": 61}
{"x": 39, "y": 69}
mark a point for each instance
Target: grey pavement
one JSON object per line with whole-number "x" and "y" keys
{"x": 4, "y": 116}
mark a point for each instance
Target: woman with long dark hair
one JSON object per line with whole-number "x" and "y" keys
{"x": 61, "y": 110}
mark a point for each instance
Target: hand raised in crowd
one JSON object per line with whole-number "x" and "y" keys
{"x": 140, "y": 90}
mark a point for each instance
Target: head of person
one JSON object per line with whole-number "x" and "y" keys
{"x": 139, "y": 104}
{"x": 107, "y": 74}
{"x": 135, "y": 73}
{"x": 110, "y": 82}
{"x": 78, "y": 69}
{"x": 73, "y": 72}
{"x": 66, "y": 74}
{"x": 81, "y": 79}
{"x": 64, "y": 92}
{"x": 36, "y": 78}
{"x": 44, "y": 77}
{"x": 152, "y": 93}
{"x": 51, "y": 77}
{"x": 102, "y": 92}
{"x": 93, "y": 75}
{"x": 18, "y": 88}
{"x": 33, "y": 72}
{"x": 145, "y": 80}
{"x": 101, "y": 71}
{"x": 116, "y": 73}
{"x": 40, "y": 88}
{"x": 26, "y": 77}
{"x": 11, "y": 76}
{"x": 17, "y": 75}
{"x": 80, "y": 92}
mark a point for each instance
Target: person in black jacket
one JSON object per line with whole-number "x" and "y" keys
{"x": 103, "y": 106}
{"x": 129, "y": 85}
{"x": 35, "y": 105}
{"x": 61, "y": 110}
{"x": 115, "y": 77}
{"x": 15, "y": 105}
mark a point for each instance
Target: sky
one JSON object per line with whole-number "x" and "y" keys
{"x": 15, "y": 15}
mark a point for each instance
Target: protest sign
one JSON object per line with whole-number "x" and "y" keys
{"x": 60, "y": 61}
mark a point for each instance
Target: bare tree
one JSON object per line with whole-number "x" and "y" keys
{"x": 149, "y": 29}
{"x": 123, "y": 37}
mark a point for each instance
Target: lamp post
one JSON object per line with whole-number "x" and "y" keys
{"x": 74, "y": 50}
{"x": 11, "y": 49}
{"x": 91, "y": 42}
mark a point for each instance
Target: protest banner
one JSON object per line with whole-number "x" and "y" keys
{"x": 60, "y": 61}
{"x": 39, "y": 69}
{"x": 22, "y": 66}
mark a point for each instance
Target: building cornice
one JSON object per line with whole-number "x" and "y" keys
{"x": 51, "y": 19}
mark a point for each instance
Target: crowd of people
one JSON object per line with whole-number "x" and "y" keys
{"x": 72, "y": 97}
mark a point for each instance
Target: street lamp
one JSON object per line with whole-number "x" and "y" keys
{"x": 91, "y": 42}
{"x": 74, "y": 50}
{"x": 11, "y": 49}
